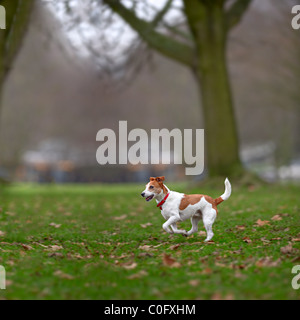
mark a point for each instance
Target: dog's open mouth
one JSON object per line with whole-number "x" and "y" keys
{"x": 149, "y": 198}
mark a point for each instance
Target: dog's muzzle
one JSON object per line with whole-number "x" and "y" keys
{"x": 148, "y": 198}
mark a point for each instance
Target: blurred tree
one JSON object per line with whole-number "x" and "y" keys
{"x": 209, "y": 23}
{"x": 17, "y": 17}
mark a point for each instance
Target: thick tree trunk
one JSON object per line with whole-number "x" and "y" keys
{"x": 222, "y": 156}
{"x": 17, "y": 17}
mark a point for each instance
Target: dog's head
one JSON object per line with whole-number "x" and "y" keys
{"x": 153, "y": 188}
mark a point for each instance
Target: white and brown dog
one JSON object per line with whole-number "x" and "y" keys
{"x": 177, "y": 206}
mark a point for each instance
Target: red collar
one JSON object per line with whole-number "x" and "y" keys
{"x": 163, "y": 201}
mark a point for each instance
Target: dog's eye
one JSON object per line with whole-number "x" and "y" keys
{"x": 151, "y": 187}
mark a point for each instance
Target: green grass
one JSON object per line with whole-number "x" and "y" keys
{"x": 87, "y": 242}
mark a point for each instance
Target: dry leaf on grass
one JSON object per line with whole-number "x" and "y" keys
{"x": 170, "y": 262}
{"x": 124, "y": 216}
{"x": 276, "y": 218}
{"x": 261, "y": 223}
{"x": 129, "y": 265}
{"x": 145, "y": 225}
{"x": 63, "y": 275}
{"x": 287, "y": 249}
{"x": 145, "y": 247}
{"x": 175, "y": 246}
{"x": 241, "y": 227}
{"x": 267, "y": 262}
{"x": 247, "y": 240}
{"x": 26, "y": 247}
{"x": 194, "y": 283}
{"x": 55, "y": 255}
{"x": 218, "y": 296}
{"x": 54, "y": 248}
{"x": 138, "y": 275}
{"x": 55, "y": 225}
{"x": 206, "y": 271}
{"x": 2, "y": 234}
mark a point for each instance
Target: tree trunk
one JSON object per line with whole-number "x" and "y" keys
{"x": 222, "y": 156}
{"x": 17, "y": 17}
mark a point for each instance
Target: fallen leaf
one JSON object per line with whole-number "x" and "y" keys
{"x": 261, "y": 223}
{"x": 55, "y": 254}
{"x": 63, "y": 275}
{"x": 297, "y": 259}
{"x": 148, "y": 224}
{"x": 170, "y": 262}
{"x": 145, "y": 247}
{"x": 175, "y": 246}
{"x": 206, "y": 271}
{"x": 52, "y": 224}
{"x": 145, "y": 254}
{"x": 276, "y": 218}
{"x": 296, "y": 239}
{"x": 124, "y": 216}
{"x": 218, "y": 296}
{"x": 55, "y": 248}
{"x": 11, "y": 214}
{"x": 129, "y": 265}
{"x": 26, "y": 247}
{"x": 2, "y": 234}
{"x": 241, "y": 227}
{"x": 267, "y": 262}
{"x": 138, "y": 275}
{"x": 194, "y": 283}
{"x": 247, "y": 240}
{"x": 287, "y": 249}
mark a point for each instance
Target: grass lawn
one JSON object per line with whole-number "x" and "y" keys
{"x": 106, "y": 242}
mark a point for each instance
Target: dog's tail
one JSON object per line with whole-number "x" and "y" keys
{"x": 226, "y": 194}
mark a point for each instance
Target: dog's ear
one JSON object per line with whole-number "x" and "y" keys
{"x": 160, "y": 179}
{"x": 152, "y": 179}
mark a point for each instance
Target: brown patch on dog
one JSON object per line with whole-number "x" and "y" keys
{"x": 195, "y": 198}
{"x": 189, "y": 199}
{"x": 218, "y": 200}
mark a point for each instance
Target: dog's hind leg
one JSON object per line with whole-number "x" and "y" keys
{"x": 209, "y": 217}
{"x": 195, "y": 220}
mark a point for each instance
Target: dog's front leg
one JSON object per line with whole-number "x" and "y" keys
{"x": 176, "y": 230}
{"x": 169, "y": 222}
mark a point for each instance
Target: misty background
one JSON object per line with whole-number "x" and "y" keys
{"x": 55, "y": 101}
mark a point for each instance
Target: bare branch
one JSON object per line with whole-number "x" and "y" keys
{"x": 160, "y": 15}
{"x": 158, "y": 41}
{"x": 236, "y": 12}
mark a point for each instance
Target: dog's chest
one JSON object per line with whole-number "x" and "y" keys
{"x": 171, "y": 206}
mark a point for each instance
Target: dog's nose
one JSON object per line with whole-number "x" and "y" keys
{"x": 143, "y": 194}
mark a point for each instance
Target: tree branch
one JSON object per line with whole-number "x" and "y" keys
{"x": 160, "y": 15}
{"x": 158, "y": 41}
{"x": 236, "y": 12}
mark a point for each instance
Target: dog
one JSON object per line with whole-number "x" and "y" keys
{"x": 177, "y": 206}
